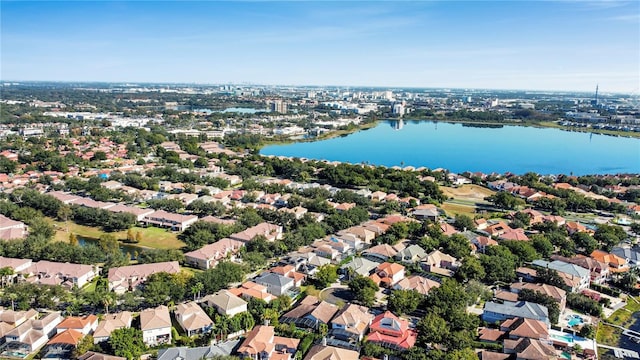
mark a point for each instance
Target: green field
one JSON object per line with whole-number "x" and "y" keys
{"x": 155, "y": 238}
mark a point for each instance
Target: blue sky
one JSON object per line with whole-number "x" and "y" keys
{"x": 539, "y": 45}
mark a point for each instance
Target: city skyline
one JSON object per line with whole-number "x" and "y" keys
{"x": 563, "y": 45}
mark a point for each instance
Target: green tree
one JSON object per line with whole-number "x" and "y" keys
{"x": 432, "y": 329}
{"x": 127, "y": 342}
{"x": 505, "y": 200}
{"x": 326, "y": 275}
{"x": 108, "y": 243}
{"x": 588, "y": 331}
{"x": 363, "y": 289}
{"x": 470, "y": 269}
{"x": 85, "y": 344}
{"x": 463, "y": 222}
{"x": 404, "y": 301}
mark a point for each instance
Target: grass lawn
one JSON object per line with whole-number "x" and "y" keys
{"x": 155, "y": 238}
{"x": 457, "y": 209}
{"x": 609, "y": 335}
{"x": 469, "y": 192}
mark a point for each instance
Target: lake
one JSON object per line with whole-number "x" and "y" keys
{"x": 124, "y": 248}
{"x": 471, "y": 147}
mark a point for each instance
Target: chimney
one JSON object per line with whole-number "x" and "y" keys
{"x": 266, "y": 322}
{"x": 324, "y": 341}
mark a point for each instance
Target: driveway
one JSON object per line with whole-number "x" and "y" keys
{"x": 336, "y": 294}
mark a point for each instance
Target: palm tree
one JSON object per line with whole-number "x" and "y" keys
{"x": 196, "y": 289}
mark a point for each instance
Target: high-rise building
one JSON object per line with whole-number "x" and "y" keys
{"x": 279, "y": 106}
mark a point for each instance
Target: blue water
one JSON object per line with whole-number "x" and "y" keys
{"x": 516, "y": 149}
{"x": 575, "y": 321}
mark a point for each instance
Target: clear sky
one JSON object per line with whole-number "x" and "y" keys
{"x": 539, "y": 45}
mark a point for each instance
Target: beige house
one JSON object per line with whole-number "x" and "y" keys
{"x": 324, "y": 352}
{"x": 156, "y": 326}
{"x": 110, "y": 323}
{"x": 126, "y": 278}
{"x": 192, "y": 318}
{"x": 352, "y": 321}
{"x": 226, "y": 303}
{"x": 262, "y": 344}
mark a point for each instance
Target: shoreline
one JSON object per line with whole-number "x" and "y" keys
{"x": 370, "y": 125}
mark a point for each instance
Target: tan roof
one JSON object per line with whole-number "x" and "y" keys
{"x": 418, "y": 283}
{"x": 258, "y": 340}
{"x": 112, "y": 322}
{"x": 155, "y": 318}
{"x": 382, "y": 249}
{"x": 550, "y": 290}
{"x": 319, "y": 352}
{"x": 5, "y": 222}
{"x": 4, "y": 328}
{"x": 192, "y": 315}
{"x": 54, "y": 268}
{"x": 90, "y": 355}
{"x": 43, "y": 322}
{"x": 265, "y": 229}
{"x": 354, "y": 318}
{"x": 486, "y": 334}
{"x": 224, "y": 299}
{"x": 217, "y": 250}
{"x": 143, "y": 270}
{"x": 11, "y": 316}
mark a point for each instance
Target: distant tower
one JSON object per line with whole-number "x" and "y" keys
{"x": 595, "y": 100}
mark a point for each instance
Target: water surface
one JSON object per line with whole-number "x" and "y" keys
{"x": 517, "y": 149}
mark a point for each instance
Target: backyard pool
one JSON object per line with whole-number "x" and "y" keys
{"x": 566, "y": 338}
{"x": 575, "y": 320}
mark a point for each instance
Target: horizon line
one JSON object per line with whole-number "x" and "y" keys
{"x": 3, "y": 81}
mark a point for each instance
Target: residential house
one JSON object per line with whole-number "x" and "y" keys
{"x": 85, "y": 325}
{"x": 359, "y": 266}
{"x": 126, "y": 278}
{"x": 388, "y": 274}
{"x": 499, "y": 312}
{"x": 16, "y": 318}
{"x": 12, "y": 229}
{"x": 25, "y": 338}
{"x": 631, "y": 254}
{"x": 109, "y": 323}
{"x": 617, "y": 264}
{"x": 576, "y": 277}
{"x": 139, "y": 213}
{"x": 426, "y": 212}
{"x": 250, "y": 289}
{"x": 55, "y": 273}
{"x": 411, "y": 254}
{"x": 390, "y": 331}
{"x": 208, "y": 256}
{"x": 310, "y": 313}
{"x": 447, "y": 229}
{"x": 226, "y": 303}
{"x": 198, "y": 353}
{"x": 164, "y": 219}
{"x": 156, "y": 326}
{"x": 525, "y": 328}
{"x": 262, "y": 344}
{"x": 276, "y": 284}
{"x": 418, "y": 283}
{"x": 482, "y": 242}
{"x": 62, "y": 345}
{"x": 381, "y": 253}
{"x": 91, "y": 355}
{"x": 269, "y": 231}
{"x": 574, "y": 227}
{"x": 325, "y": 352}
{"x": 192, "y": 318}
{"x": 514, "y": 234}
{"x": 497, "y": 229}
{"x": 290, "y": 272}
{"x": 440, "y": 263}
{"x": 600, "y": 272}
{"x": 526, "y": 274}
{"x": 362, "y": 233}
{"x": 352, "y": 321}
{"x": 530, "y": 349}
{"x": 556, "y": 293}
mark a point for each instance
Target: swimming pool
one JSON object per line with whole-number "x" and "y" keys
{"x": 575, "y": 321}
{"x": 566, "y": 338}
